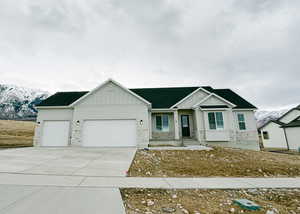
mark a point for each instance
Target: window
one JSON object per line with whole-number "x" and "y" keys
{"x": 185, "y": 121}
{"x": 266, "y": 135}
{"x": 162, "y": 122}
{"x": 215, "y": 120}
{"x": 241, "y": 120}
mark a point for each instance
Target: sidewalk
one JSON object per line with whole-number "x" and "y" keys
{"x": 18, "y": 199}
{"x": 30, "y": 193}
{"x": 139, "y": 182}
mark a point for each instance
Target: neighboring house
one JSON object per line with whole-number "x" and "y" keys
{"x": 112, "y": 115}
{"x": 292, "y": 131}
{"x": 283, "y": 133}
{"x": 272, "y": 135}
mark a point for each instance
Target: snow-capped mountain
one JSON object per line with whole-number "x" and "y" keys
{"x": 263, "y": 116}
{"x": 19, "y": 102}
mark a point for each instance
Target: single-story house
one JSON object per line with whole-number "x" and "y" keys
{"x": 283, "y": 133}
{"x": 114, "y": 116}
{"x": 292, "y": 132}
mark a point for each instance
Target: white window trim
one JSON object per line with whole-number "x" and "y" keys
{"x": 238, "y": 122}
{"x": 217, "y": 128}
{"x": 162, "y": 129}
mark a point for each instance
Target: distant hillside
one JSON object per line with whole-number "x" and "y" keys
{"x": 18, "y": 103}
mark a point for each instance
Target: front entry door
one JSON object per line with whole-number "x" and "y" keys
{"x": 185, "y": 125}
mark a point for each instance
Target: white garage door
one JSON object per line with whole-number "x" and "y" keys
{"x": 110, "y": 133}
{"x": 55, "y": 133}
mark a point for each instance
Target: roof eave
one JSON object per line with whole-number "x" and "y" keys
{"x": 289, "y": 126}
{"x": 214, "y": 109}
{"x": 54, "y": 107}
{"x": 244, "y": 109}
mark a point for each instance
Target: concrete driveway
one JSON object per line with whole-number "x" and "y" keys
{"x": 37, "y": 178}
{"x": 67, "y": 161}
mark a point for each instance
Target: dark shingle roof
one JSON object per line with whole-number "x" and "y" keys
{"x": 282, "y": 116}
{"x": 62, "y": 98}
{"x": 234, "y": 98}
{"x": 294, "y": 123}
{"x": 167, "y": 97}
{"x": 158, "y": 97}
{"x": 164, "y": 97}
{"x": 278, "y": 122}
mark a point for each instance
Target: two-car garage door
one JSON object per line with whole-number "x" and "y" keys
{"x": 94, "y": 133}
{"x": 110, "y": 133}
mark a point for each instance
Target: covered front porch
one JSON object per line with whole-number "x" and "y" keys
{"x": 173, "y": 127}
{"x": 183, "y": 127}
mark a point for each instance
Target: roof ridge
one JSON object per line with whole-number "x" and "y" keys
{"x": 170, "y": 87}
{"x": 223, "y": 89}
{"x": 71, "y": 91}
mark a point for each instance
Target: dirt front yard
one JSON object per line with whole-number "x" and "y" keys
{"x": 16, "y": 133}
{"x": 223, "y": 162}
{"x": 154, "y": 201}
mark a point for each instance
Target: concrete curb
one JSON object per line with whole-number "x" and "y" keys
{"x": 145, "y": 182}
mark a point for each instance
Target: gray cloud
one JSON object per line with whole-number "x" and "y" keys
{"x": 251, "y": 46}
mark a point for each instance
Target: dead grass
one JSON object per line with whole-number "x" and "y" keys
{"x": 222, "y": 162}
{"x": 16, "y": 133}
{"x": 283, "y": 151}
{"x": 209, "y": 201}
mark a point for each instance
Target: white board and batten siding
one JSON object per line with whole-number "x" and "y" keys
{"x": 293, "y": 137}
{"x": 212, "y": 100}
{"x": 189, "y": 102}
{"x": 111, "y": 103}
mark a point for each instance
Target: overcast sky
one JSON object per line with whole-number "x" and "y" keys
{"x": 250, "y": 46}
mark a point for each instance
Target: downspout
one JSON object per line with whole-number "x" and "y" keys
{"x": 286, "y": 139}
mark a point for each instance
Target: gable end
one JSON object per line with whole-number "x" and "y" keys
{"x": 111, "y": 92}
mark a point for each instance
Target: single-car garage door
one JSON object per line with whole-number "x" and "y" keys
{"x": 110, "y": 133}
{"x": 55, "y": 133}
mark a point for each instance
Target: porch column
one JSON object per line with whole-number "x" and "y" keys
{"x": 197, "y": 118}
{"x": 150, "y": 125}
{"x": 176, "y": 125}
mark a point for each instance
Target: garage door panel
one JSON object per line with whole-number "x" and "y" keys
{"x": 109, "y": 133}
{"x": 55, "y": 133}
